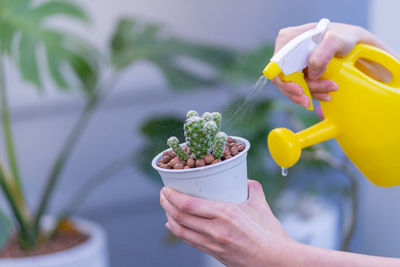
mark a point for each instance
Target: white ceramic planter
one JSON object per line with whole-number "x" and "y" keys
{"x": 225, "y": 181}
{"x": 92, "y": 253}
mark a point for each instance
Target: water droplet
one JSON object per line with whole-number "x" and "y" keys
{"x": 261, "y": 82}
{"x": 284, "y": 171}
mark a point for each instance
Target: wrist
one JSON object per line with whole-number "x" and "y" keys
{"x": 285, "y": 253}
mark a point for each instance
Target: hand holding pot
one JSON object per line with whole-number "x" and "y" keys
{"x": 245, "y": 234}
{"x": 248, "y": 234}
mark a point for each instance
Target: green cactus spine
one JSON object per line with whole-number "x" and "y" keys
{"x": 173, "y": 143}
{"x": 217, "y": 117}
{"x": 207, "y": 116}
{"x": 191, "y": 113}
{"x": 219, "y": 144}
{"x": 196, "y": 139}
{"x": 210, "y": 128}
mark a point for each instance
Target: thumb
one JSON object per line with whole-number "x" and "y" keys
{"x": 256, "y": 192}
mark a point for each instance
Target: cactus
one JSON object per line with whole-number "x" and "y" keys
{"x": 191, "y": 113}
{"x": 173, "y": 143}
{"x": 207, "y": 116}
{"x": 202, "y": 136}
{"x": 219, "y": 144}
{"x": 210, "y": 128}
{"x": 196, "y": 139}
{"x": 217, "y": 117}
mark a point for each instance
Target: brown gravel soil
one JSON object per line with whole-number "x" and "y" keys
{"x": 66, "y": 237}
{"x": 169, "y": 159}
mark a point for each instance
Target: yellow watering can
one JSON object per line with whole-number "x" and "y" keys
{"x": 363, "y": 116}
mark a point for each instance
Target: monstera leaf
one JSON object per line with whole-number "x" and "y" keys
{"x": 134, "y": 41}
{"x": 24, "y": 34}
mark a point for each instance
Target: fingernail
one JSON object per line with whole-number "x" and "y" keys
{"x": 313, "y": 74}
{"x": 333, "y": 86}
{"x": 306, "y": 102}
{"x": 167, "y": 225}
{"x": 327, "y": 98}
{"x": 164, "y": 190}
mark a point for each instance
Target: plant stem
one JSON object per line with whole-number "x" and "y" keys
{"x": 11, "y": 183}
{"x": 354, "y": 207}
{"x": 7, "y": 131}
{"x": 62, "y": 158}
{"x": 18, "y": 208}
{"x": 68, "y": 147}
{"x": 101, "y": 176}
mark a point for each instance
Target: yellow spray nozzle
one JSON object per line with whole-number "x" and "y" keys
{"x": 272, "y": 70}
{"x": 284, "y": 147}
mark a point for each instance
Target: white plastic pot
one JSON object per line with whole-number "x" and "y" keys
{"x": 225, "y": 181}
{"x": 91, "y": 253}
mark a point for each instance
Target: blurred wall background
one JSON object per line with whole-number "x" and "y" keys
{"x": 128, "y": 204}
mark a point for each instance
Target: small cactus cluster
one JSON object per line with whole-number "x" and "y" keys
{"x": 203, "y": 136}
{"x": 205, "y": 144}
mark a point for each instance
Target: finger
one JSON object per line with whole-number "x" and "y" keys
{"x": 287, "y": 34}
{"x": 293, "y": 91}
{"x": 186, "y": 234}
{"x": 302, "y": 100}
{"x": 256, "y": 193}
{"x": 325, "y": 51}
{"x": 198, "y": 224}
{"x": 192, "y": 205}
{"x": 322, "y": 96}
{"x": 321, "y": 86}
{"x": 205, "y": 250}
{"x": 288, "y": 87}
{"x": 193, "y": 239}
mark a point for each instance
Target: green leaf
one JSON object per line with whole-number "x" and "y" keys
{"x": 180, "y": 78}
{"x": 28, "y": 63}
{"x": 17, "y": 6}
{"x": 6, "y": 37}
{"x": 52, "y": 8}
{"x": 54, "y": 62}
{"x": 83, "y": 69}
{"x": 216, "y": 56}
{"x": 157, "y": 130}
{"x": 63, "y": 50}
{"x": 133, "y": 41}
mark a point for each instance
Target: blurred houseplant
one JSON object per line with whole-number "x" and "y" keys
{"x": 41, "y": 53}
{"x": 38, "y": 52}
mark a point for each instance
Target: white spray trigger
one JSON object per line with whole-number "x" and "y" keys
{"x": 322, "y": 26}
{"x": 293, "y": 57}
